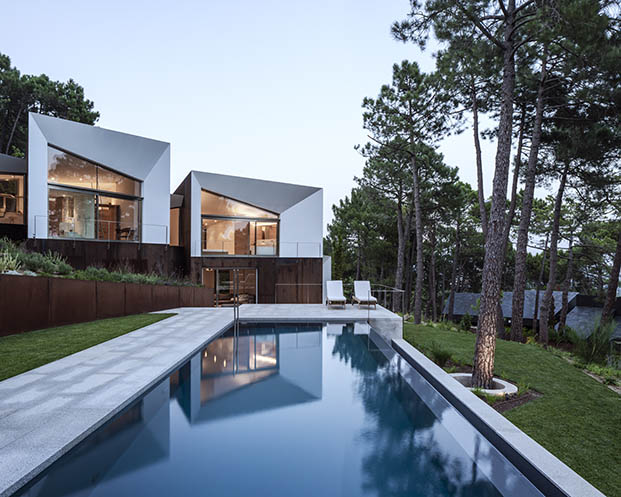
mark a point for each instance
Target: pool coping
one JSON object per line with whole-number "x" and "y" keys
{"x": 551, "y": 476}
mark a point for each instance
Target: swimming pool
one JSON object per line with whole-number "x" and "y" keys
{"x": 291, "y": 410}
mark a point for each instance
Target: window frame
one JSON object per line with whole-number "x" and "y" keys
{"x": 249, "y": 219}
{"x": 97, "y": 193}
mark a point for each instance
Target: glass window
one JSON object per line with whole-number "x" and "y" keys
{"x": 266, "y": 235}
{"x": 113, "y": 182}
{"x": 117, "y": 219}
{"x": 227, "y": 237}
{"x": 11, "y": 199}
{"x": 215, "y": 205}
{"x": 71, "y": 214}
{"x": 76, "y": 212}
{"x": 66, "y": 169}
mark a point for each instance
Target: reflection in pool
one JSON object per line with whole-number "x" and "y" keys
{"x": 288, "y": 410}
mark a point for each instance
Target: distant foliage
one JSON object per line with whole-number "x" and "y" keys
{"x": 595, "y": 347}
{"x": 466, "y": 322}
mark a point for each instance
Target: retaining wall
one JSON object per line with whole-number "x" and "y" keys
{"x": 33, "y": 302}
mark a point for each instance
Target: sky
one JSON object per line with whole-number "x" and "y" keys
{"x": 267, "y": 89}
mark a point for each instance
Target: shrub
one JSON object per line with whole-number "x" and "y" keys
{"x": 440, "y": 356}
{"x": 34, "y": 261}
{"x": 595, "y": 347}
{"x": 466, "y": 322}
{"x": 8, "y": 246}
{"x": 9, "y": 262}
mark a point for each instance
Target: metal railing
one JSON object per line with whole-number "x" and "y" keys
{"x": 389, "y": 296}
{"x": 300, "y": 249}
{"x": 99, "y": 230}
{"x": 235, "y": 318}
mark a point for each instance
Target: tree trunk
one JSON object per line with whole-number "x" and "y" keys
{"x": 400, "y": 248}
{"x": 451, "y": 302}
{"x": 516, "y": 180}
{"x": 479, "y": 162}
{"x": 519, "y": 283}
{"x": 420, "y": 270}
{"x": 408, "y": 287}
{"x": 10, "y": 139}
{"x": 433, "y": 295}
{"x": 538, "y": 287}
{"x": 562, "y": 322}
{"x": 613, "y": 282}
{"x": 485, "y": 347}
{"x": 442, "y": 293}
{"x": 546, "y": 306}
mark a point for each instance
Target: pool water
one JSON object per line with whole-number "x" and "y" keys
{"x": 287, "y": 410}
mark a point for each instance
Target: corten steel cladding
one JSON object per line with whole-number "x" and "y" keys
{"x": 139, "y": 298}
{"x": 110, "y": 299}
{"x": 24, "y": 304}
{"x": 72, "y": 301}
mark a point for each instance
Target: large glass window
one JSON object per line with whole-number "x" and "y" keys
{"x": 71, "y": 214}
{"x": 66, "y": 169}
{"x": 69, "y": 170}
{"x": 89, "y": 201}
{"x": 215, "y": 205}
{"x": 117, "y": 219}
{"x": 11, "y": 199}
{"x": 230, "y": 227}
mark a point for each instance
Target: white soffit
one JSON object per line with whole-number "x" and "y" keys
{"x": 131, "y": 155}
{"x": 269, "y": 195}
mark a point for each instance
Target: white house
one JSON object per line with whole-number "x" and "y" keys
{"x": 91, "y": 183}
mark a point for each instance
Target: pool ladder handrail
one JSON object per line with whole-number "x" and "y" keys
{"x": 235, "y": 317}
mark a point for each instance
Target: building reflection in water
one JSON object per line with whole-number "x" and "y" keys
{"x": 265, "y": 368}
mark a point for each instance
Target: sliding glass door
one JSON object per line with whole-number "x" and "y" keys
{"x": 221, "y": 282}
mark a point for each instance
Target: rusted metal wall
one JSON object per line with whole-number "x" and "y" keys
{"x": 137, "y": 257}
{"x": 32, "y": 303}
{"x": 281, "y": 280}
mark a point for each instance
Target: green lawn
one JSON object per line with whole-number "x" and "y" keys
{"x": 32, "y": 349}
{"x": 577, "y": 418}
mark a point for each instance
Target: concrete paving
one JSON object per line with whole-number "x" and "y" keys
{"x": 46, "y": 412}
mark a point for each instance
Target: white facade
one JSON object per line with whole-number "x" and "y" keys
{"x": 299, "y": 209}
{"x": 142, "y": 159}
{"x": 301, "y": 228}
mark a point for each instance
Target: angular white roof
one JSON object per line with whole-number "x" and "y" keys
{"x": 12, "y": 165}
{"x": 131, "y": 155}
{"x": 269, "y": 195}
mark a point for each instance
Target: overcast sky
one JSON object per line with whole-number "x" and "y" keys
{"x": 267, "y": 89}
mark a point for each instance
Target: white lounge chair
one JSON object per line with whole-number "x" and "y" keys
{"x": 362, "y": 294}
{"x": 334, "y": 291}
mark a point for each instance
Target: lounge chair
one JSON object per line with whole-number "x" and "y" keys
{"x": 334, "y": 291}
{"x": 362, "y": 294}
